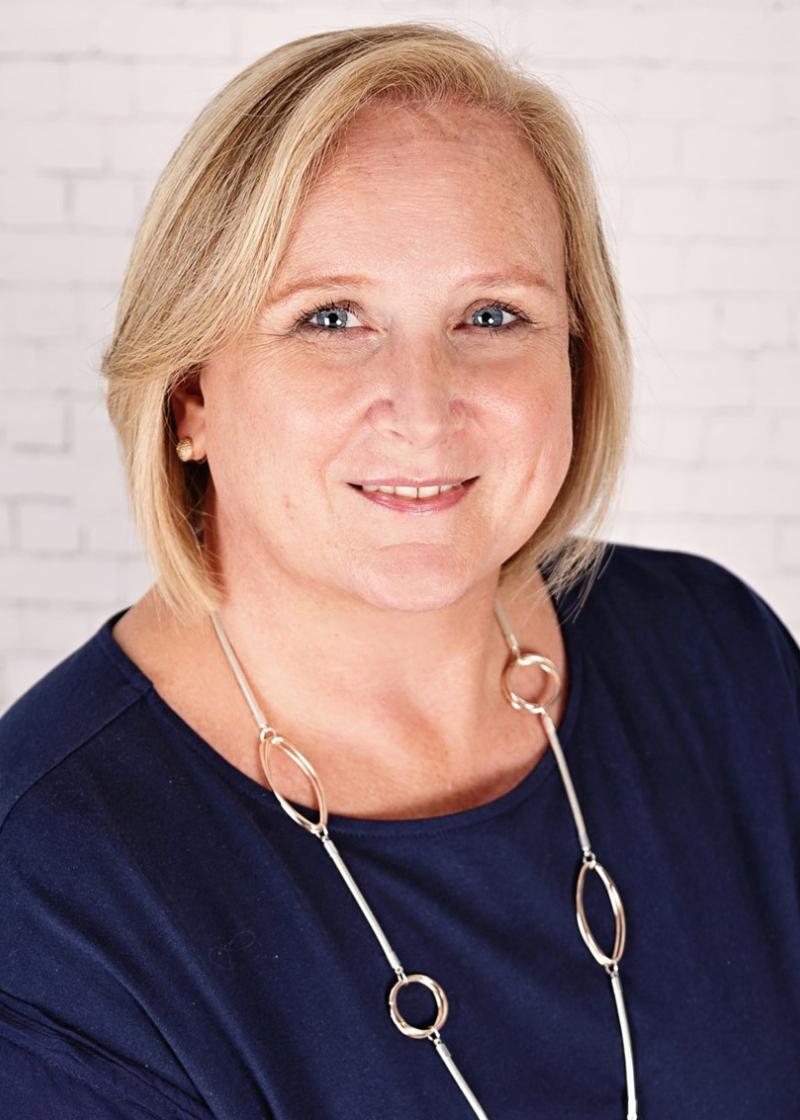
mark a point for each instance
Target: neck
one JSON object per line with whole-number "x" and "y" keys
{"x": 433, "y": 680}
{"x": 336, "y": 671}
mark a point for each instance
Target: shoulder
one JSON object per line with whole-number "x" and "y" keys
{"x": 663, "y": 576}
{"x": 680, "y": 603}
{"x": 669, "y": 579}
{"x": 62, "y": 713}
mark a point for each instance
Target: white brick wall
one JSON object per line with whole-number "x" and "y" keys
{"x": 692, "y": 114}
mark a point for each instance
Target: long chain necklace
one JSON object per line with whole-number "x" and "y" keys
{"x": 268, "y": 738}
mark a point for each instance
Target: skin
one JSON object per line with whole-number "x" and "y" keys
{"x": 369, "y": 635}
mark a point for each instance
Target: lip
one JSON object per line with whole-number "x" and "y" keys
{"x": 418, "y": 506}
{"x": 412, "y": 481}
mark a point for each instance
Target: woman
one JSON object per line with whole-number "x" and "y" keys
{"x": 375, "y": 262}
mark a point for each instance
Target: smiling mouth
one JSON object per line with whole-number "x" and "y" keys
{"x": 410, "y": 502}
{"x": 414, "y": 493}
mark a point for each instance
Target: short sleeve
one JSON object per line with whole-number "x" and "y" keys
{"x": 51, "y": 1072}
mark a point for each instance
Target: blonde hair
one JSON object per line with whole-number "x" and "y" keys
{"x": 219, "y": 218}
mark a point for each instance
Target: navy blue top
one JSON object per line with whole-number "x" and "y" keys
{"x": 172, "y": 945}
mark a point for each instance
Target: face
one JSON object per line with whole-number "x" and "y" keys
{"x": 444, "y": 355}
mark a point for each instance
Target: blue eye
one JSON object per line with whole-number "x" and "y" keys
{"x": 335, "y": 309}
{"x": 503, "y": 308}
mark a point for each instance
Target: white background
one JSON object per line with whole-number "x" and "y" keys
{"x": 692, "y": 116}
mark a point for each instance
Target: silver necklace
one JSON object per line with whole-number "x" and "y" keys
{"x": 268, "y": 738}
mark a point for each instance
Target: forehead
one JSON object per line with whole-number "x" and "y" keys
{"x": 412, "y": 184}
{"x": 383, "y": 138}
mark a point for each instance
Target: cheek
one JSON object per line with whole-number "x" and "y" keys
{"x": 544, "y": 414}
{"x": 538, "y": 436}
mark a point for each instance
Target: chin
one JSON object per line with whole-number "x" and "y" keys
{"x": 415, "y": 585}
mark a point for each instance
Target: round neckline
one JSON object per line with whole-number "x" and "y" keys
{"x": 363, "y": 826}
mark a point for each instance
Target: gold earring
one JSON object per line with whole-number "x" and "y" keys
{"x": 185, "y": 450}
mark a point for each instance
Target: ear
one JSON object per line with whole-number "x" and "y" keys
{"x": 188, "y": 410}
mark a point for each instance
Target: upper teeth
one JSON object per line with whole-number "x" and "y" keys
{"x": 413, "y": 491}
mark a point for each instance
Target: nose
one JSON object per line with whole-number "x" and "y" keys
{"x": 420, "y": 394}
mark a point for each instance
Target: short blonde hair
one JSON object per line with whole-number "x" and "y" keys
{"x": 219, "y": 218}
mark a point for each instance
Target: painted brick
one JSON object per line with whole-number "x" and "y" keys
{"x": 689, "y": 110}
{"x": 47, "y": 527}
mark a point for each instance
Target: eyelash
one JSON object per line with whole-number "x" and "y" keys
{"x": 301, "y": 323}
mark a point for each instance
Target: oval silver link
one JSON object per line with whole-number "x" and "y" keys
{"x": 438, "y": 994}
{"x": 267, "y": 739}
{"x": 616, "y": 906}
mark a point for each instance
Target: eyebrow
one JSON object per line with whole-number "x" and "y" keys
{"x": 520, "y": 277}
